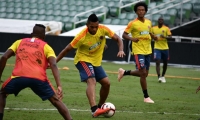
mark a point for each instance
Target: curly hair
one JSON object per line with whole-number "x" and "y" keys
{"x": 141, "y": 4}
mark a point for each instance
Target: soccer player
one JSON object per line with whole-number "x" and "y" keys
{"x": 90, "y": 43}
{"x": 32, "y": 57}
{"x": 161, "y": 49}
{"x": 197, "y": 89}
{"x": 141, "y": 47}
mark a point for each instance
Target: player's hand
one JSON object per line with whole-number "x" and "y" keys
{"x": 60, "y": 93}
{"x": 197, "y": 89}
{"x": 121, "y": 54}
{"x": 155, "y": 37}
{"x": 162, "y": 36}
{"x": 135, "y": 40}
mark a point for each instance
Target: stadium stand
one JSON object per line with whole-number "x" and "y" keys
{"x": 116, "y": 12}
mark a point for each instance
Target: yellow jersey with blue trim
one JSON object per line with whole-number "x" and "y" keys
{"x": 140, "y": 30}
{"x": 90, "y": 47}
{"x": 161, "y": 43}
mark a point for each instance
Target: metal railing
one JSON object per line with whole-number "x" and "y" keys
{"x": 83, "y": 13}
{"x": 193, "y": 39}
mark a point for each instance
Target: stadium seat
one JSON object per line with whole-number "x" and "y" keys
{"x": 115, "y": 21}
{"x": 33, "y": 17}
{"x": 71, "y": 2}
{"x": 128, "y": 8}
{"x": 33, "y": 11}
{"x": 42, "y": 17}
{"x": 152, "y": 5}
{"x": 18, "y": 5}
{"x": 122, "y": 16}
{"x": 49, "y": 18}
{"x": 18, "y": 16}
{"x": 2, "y": 15}
{"x": 56, "y": 12}
{"x": 72, "y": 13}
{"x": 10, "y": 4}
{"x": 64, "y": 13}
{"x": 87, "y": 3}
{"x": 49, "y": 6}
{"x": 69, "y": 25}
{"x": 95, "y": 3}
{"x": 107, "y": 21}
{"x": 64, "y": 7}
{"x": 65, "y": 19}
{"x": 10, "y": 15}
{"x": 56, "y": 7}
{"x": 25, "y": 16}
{"x": 123, "y": 22}
{"x": 196, "y": 9}
{"x": 3, "y": 4}
{"x": 41, "y": 11}
{"x": 25, "y": 5}
{"x": 2, "y": 9}
{"x": 72, "y": 8}
{"x": 80, "y": 8}
{"x": 41, "y": 6}
{"x": 33, "y": 1}
{"x": 58, "y": 18}
{"x": 49, "y": 12}
{"x": 130, "y": 16}
{"x": 47, "y": 2}
{"x": 56, "y": 2}
{"x": 18, "y": 10}
{"x": 33, "y": 5}
{"x": 10, "y": 10}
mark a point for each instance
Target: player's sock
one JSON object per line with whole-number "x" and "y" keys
{"x": 158, "y": 75}
{"x": 94, "y": 108}
{"x": 99, "y": 106}
{"x": 145, "y": 94}
{"x": 1, "y": 116}
{"x": 163, "y": 75}
{"x": 127, "y": 72}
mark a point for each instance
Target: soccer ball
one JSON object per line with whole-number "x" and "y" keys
{"x": 111, "y": 112}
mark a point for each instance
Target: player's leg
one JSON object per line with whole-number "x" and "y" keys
{"x": 122, "y": 72}
{"x": 157, "y": 58}
{"x": 87, "y": 74}
{"x": 2, "y": 103}
{"x": 62, "y": 109}
{"x": 143, "y": 64}
{"x": 102, "y": 78}
{"x": 10, "y": 86}
{"x": 165, "y": 58}
{"x": 46, "y": 91}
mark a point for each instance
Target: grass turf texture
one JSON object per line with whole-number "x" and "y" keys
{"x": 174, "y": 100}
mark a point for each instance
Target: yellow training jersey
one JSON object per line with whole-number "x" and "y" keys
{"x": 161, "y": 43}
{"x": 90, "y": 47}
{"x": 141, "y": 31}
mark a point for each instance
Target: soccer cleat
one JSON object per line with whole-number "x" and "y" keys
{"x": 148, "y": 100}
{"x": 163, "y": 80}
{"x": 160, "y": 79}
{"x": 120, "y": 74}
{"x": 100, "y": 111}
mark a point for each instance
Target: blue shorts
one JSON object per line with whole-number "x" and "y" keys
{"x": 43, "y": 89}
{"x": 87, "y": 70}
{"x": 161, "y": 54}
{"x": 142, "y": 61}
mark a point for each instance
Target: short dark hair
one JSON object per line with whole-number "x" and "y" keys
{"x": 141, "y": 4}
{"x": 40, "y": 25}
{"x": 93, "y": 18}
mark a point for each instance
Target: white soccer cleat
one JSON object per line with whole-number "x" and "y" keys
{"x": 163, "y": 80}
{"x": 160, "y": 79}
{"x": 148, "y": 100}
{"x": 120, "y": 74}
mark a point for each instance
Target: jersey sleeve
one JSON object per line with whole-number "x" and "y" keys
{"x": 76, "y": 42}
{"x": 48, "y": 51}
{"x": 129, "y": 28}
{"x": 168, "y": 32}
{"x": 108, "y": 32}
{"x": 15, "y": 45}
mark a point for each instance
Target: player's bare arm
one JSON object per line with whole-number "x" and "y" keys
{"x": 153, "y": 36}
{"x": 4, "y": 59}
{"x": 54, "y": 68}
{"x": 64, "y": 52}
{"x": 120, "y": 44}
{"x": 127, "y": 37}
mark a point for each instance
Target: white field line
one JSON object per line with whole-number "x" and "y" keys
{"x": 79, "y": 110}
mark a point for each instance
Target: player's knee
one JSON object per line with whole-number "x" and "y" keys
{"x": 143, "y": 73}
{"x": 54, "y": 100}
